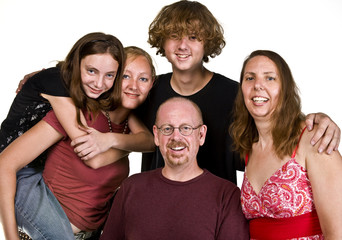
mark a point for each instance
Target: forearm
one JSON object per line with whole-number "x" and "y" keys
{"x": 139, "y": 142}
{"x": 106, "y": 158}
{"x": 65, "y": 112}
{"x": 7, "y": 211}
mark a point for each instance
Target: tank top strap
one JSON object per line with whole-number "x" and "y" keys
{"x": 295, "y": 151}
{"x": 246, "y": 159}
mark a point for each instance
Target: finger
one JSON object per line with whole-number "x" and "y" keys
{"x": 88, "y": 157}
{"x": 338, "y": 140}
{"x": 329, "y": 141}
{"x": 82, "y": 148}
{"x": 84, "y": 153}
{"x": 309, "y": 121}
{"x": 79, "y": 141}
{"x": 20, "y": 86}
{"x": 333, "y": 145}
{"x": 317, "y": 136}
{"x": 325, "y": 143}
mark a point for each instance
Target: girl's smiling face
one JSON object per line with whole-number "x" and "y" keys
{"x": 98, "y": 73}
{"x": 137, "y": 82}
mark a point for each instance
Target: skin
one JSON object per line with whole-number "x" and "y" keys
{"x": 261, "y": 87}
{"x": 190, "y": 76}
{"x": 261, "y": 79}
{"x": 179, "y": 152}
{"x": 42, "y": 136}
{"x": 97, "y": 74}
{"x": 185, "y": 55}
{"x": 136, "y": 84}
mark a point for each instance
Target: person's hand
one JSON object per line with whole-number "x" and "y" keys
{"x": 24, "y": 80}
{"x": 91, "y": 144}
{"x": 326, "y": 130}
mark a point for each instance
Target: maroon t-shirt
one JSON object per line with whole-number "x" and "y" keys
{"x": 149, "y": 206}
{"x": 83, "y": 192}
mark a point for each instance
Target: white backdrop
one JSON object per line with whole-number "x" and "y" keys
{"x": 306, "y": 33}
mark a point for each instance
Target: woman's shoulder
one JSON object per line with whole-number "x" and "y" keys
{"x": 305, "y": 140}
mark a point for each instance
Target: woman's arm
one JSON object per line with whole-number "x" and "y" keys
{"x": 326, "y": 179}
{"x": 140, "y": 140}
{"x": 17, "y": 155}
{"x": 65, "y": 111}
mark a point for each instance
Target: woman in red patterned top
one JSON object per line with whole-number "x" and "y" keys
{"x": 290, "y": 190}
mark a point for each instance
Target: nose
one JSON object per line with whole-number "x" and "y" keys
{"x": 98, "y": 82}
{"x": 258, "y": 85}
{"x": 176, "y": 134}
{"x": 133, "y": 84}
{"x": 183, "y": 43}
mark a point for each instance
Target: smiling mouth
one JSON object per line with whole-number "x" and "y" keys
{"x": 259, "y": 99}
{"x": 95, "y": 91}
{"x": 178, "y": 148}
{"x": 183, "y": 56}
{"x": 132, "y": 95}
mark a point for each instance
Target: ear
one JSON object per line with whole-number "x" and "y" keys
{"x": 155, "y": 134}
{"x": 202, "y": 134}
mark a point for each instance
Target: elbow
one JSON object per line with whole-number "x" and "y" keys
{"x": 150, "y": 148}
{"x": 332, "y": 231}
{"x": 92, "y": 164}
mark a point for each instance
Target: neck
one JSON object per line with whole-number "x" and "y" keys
{"x": 191, "y": 81}
{"x": 265, "y": 134}
{"x": 181, "y": 173}
{"x": 119, "y": 115}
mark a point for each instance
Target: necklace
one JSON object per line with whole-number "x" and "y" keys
{"x": 110, "y": 123}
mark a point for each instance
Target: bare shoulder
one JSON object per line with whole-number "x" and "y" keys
{"x": 310, "y": 152}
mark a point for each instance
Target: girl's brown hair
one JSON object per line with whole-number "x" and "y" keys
{"x": 92, "y": 43}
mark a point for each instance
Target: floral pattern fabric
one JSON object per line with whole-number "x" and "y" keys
{"x": 287, "y": 193}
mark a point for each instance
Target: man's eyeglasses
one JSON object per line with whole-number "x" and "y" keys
{"x": 184, "y": 129}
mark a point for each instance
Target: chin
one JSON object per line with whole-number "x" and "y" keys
{"x": 177, "y": 161}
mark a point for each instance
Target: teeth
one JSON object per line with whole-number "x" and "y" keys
{"x": 260, "y": 99}
{"x": 182, "y": 56}
{"x": 178, "y": 148}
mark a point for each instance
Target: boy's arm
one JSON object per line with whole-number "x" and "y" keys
{"x": 326, "y": 130}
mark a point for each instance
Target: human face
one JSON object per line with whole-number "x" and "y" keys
{"x": 137, "y": 82}
{"x": 261, "y": 87}
{"x": 98, "y": 73}
{"x": 185, "y": 53}
{"x": 179, "y": 150}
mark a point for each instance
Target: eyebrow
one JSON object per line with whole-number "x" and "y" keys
{"x": 253, "y": 73}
